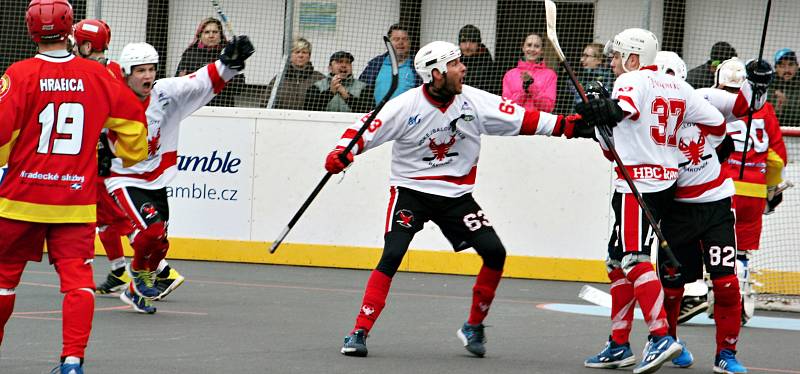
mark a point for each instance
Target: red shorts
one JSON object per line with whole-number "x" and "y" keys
{"x": 24, "y": 241}
{"x": 749, "y": 212}
{"x": 109, "y": 212}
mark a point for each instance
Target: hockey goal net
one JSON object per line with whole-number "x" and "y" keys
{"x": 776, "y": 266}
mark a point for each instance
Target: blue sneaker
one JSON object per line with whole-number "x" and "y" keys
{"x": 612, "y": 356}
{"x": 473, "y": 338}
{"x": 143, "y": 282}
{"x": 67, "y": 369}
{"x": 657, "y": 351}
{"x": 355, "y": 344}
{"x": 138, "y": 303}
{"x": 685, "y": 359}
{"x": 726, "y": 362}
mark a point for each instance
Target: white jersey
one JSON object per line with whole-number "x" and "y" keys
{"x": 436, "y": 145}
{"x": 170, "y": 102}
{"x": 701, "y": 178}
{"x": 646, "y": 139}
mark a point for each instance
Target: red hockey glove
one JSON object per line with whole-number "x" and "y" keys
{"x": 337, "y": 161}
{"x": 575, "y": 127}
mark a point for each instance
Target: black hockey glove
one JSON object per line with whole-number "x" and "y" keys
{"x": 600, "y": 112}
{"x": 104, "y": 156}
{"x": 760, "y": 74}
{"x": 236, "y": 52}
{"x": 725, "y": 149}
{"x": 596, "y": 90}
{"x": 773, "y": 203}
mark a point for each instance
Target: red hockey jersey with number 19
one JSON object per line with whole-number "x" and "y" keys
{"x": 53, "y": 107}
{"x": 655, "y": 104}
{"x": 436, "y": 145}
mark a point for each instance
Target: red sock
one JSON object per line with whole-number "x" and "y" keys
{"x": 156, "y": 255}
{"x": 650, "y": 296}
{"x": 622, "y": 303}
{"x": 672, "y": 306}
{"x": 374, "y": 300}
{"x": 78, "y": 311}
{"x": 111, "y": 242}
{"x": 6, "y": 308}
{"x": 483, "y": 293}
{"x": 727, "y": 311}
{"x": 140, "y": 255}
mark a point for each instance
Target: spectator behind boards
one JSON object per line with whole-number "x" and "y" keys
{"x": 702, "y": 76}
{"x": 378, "y": 73}
{"x": 209, "y": 39}
{"x": 340, "y": 91}
{"x": 297, "y": 78}
{"x": 482, "y": 72}
{"x": 784, "y": 92}
{"x": 531, "y": 84}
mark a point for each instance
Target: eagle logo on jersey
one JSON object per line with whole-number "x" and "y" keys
{"x": 404, "y": 218}
{"x": 440, "y": 150}
{"x": 5, "y": 85}
{"x": 694, "y": 150}
{"x": 154, "y": 144}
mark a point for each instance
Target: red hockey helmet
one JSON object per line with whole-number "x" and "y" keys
{"x": 94, "y": 31}
{"x": 49, "y": 20}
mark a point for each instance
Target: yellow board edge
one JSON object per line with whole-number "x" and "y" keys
{"x": 351, "y": 257}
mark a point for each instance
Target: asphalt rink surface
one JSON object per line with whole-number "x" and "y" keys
{"x": 246, "y": 318}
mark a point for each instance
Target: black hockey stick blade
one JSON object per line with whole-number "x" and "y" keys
{"x": 672, "y": 263}
{"x": 364, "y": 127}
{"x": 755, "y": 97}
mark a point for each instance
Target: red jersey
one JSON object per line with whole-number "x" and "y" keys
{"x": 53, "y": 108}
{"x": 766, "y": 153}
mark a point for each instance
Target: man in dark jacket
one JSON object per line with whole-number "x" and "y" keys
{"x": 703, "y": 75}
{"x": 482, "y": 71}
{"x": 340, "y": 91}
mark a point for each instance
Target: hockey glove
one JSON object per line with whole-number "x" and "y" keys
{"x": 575, "y": 127}
{"x": 236, "y": 52}
{"x": 601, "y": 111}
{"x": 337, "y": 160}
{"x": 104, "y": 156}
{"x": 596, "y": 90}
{"x": 725, "y": 149}
{"x": 760, "y": 74}
{"x": 775, "y": 196}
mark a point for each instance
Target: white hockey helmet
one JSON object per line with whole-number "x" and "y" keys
{"x": 435, "y": 55}
{"x": 730, "y": 73}
{"x": 135, "y": 54}
{"x": 666, "y": 61}
{"x": 636, "y": 41}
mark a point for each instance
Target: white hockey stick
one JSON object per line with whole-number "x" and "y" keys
{"x": 223, "y": 17}
{"x": 595, "y": 296}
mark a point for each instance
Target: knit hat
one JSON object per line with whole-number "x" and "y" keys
{"x": 469, "y": 33}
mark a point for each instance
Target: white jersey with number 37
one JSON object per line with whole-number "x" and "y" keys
{"x": 436, "y": 145}
{"x": 646, "y": 139}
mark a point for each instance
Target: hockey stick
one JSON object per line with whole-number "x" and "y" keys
{"x": 346, "y": 150}
{"x": 595, "y": 296}
{"x": 223, "y": 17}
{"x": 755, "y": 96}
{"x": 671, "y": 272}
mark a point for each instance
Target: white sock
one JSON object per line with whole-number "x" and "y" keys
{"x": 118, "y": 263}
{"x": 72, "y": 360}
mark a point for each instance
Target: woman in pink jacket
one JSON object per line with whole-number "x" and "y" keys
{"x": 531, "y": 84}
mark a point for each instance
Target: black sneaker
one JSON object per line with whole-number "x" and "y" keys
{"x": 473, "y": 338}
{"x": 167, "y": 281}
{"x": 355, "y": 344}
{"x": 692, "y": 306}
{"x": 116, "y": 280}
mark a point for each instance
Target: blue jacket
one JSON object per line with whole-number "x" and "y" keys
{"x": 370, "y": 75}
